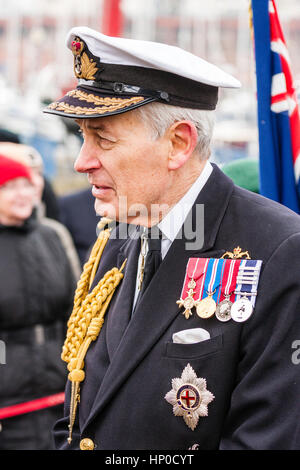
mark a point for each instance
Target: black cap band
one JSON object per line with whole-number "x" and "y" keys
{"x": 121, "y": 89}
{"x": 181, "y": 91}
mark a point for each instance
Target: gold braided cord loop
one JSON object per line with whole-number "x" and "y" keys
{"x": 91, "y": 305}
{"x": 105, "y": 237}
{"x": 91, "y": 335}
{"x": 81, "y": 299}
{"x": 85, "y": 304}
{"x": 87, "y": 317}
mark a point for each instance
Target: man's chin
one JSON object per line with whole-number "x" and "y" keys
{"x": 105, "y": 209}
{"x": 121, "y": 214}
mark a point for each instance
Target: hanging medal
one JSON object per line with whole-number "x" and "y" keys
{"x": 194, "y": 272}
{"x": 207, "y": 306}
{"x": 228, "y": 284}
{"x": 246, "y": 290}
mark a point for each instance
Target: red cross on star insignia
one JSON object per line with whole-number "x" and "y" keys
{"x": 189, "y": 397}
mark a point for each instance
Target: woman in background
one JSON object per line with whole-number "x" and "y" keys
{"x": 36, "y": 292}
{"x": 31, "y": 158}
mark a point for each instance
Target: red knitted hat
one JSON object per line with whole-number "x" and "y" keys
{"x": 11, "y": 169}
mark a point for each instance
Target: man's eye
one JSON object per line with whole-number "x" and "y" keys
{"x": 104, "y": 142}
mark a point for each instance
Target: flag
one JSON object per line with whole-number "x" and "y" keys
{"x": 278, "y": 112}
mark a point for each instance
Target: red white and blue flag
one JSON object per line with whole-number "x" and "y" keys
{"x": 278, "y": 112}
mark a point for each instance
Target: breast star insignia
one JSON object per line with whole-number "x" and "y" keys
{"x": 189, "y": 397}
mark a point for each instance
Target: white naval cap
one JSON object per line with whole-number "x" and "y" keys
{"x": 116, "y": 75}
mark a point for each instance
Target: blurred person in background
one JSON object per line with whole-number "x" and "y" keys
{"x": 30, "y": 157}
{"x": 48, "y": 195}
{"x": 77, "y": 213}
{"x": 50, "y": 200}
{"x": 244, "y": 172}
{"x": 8, "y": 136}
{"x": 36, "y": 292}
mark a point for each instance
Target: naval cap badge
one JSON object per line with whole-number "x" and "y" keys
{"x": 86, "y": 65}
{"x": 189, "y": 397}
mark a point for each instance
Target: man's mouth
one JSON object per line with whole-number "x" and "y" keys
{"x": 100, "y": 190}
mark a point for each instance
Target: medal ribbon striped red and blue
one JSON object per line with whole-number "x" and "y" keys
{"x": 228, "y": 280}
{"x": 212, "y": 280}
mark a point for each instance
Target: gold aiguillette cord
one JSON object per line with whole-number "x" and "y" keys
{"x": 101, "y": 300}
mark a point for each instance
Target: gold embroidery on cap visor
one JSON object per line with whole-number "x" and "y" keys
{"x": 99, "y": 100}
{"x": 102, "y": 104}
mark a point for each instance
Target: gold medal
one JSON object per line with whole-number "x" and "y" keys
{"x": 206, "y": 307}
{"x": 188, "y": 303}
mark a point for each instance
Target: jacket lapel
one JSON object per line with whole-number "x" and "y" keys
{"x": 156, "y": 312}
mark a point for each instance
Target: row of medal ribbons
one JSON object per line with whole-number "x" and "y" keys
{"x": 226, "y": 288}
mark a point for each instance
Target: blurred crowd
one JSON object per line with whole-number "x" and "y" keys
{"x": 44, "y": 241}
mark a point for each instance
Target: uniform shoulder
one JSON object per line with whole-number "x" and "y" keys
{"x": 265, "y": 213}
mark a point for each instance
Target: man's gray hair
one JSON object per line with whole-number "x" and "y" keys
{"x": 159, "y": 117}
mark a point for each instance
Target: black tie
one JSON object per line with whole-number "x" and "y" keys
{"x": 153, "y": 258}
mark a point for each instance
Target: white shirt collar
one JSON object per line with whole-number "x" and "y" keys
{"x": 173, "y": 221}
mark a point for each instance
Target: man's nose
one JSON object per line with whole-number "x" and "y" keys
{"x": 87, "y": 159}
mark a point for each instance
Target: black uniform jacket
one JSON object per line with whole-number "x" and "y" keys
{"x": 248, "y": 366}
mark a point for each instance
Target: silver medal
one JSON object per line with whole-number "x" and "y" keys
{"x": 241, "y": 310}
{"x": 223, "y": 311}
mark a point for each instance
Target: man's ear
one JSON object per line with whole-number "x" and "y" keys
{"x": 183, "y": 140}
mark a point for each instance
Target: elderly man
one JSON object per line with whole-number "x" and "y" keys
{"x": 182, "y": 335}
